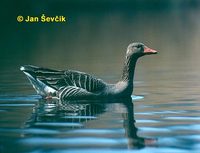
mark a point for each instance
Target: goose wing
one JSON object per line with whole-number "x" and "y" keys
{"x": 59, "y": 80}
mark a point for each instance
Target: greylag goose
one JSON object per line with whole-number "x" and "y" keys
{"x": 76, "y": 85}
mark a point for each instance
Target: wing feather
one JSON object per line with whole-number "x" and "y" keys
{"x": 59, "y": 80}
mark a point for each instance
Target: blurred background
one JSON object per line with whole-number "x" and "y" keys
{"x": 95, "y": 37}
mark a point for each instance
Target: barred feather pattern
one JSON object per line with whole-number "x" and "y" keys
{"x": 70, "y": 83}
{"x": 72, "y": 92}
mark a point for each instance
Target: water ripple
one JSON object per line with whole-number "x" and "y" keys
{"x": 100, "y": 150}
{"x": 80, "y": 117}
{"x": 74, "y": 141}
{"x": 182, "y": 118}
{"x": 98, "y": 131}
{"x": 16, "y": 105}
{"x": 30, "y": 98}
{"x": 59, "y": 124}
{"x": 30, "y": 131}
{"x": 134, "y": 97}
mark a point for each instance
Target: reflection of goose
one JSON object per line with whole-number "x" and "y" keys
{"x": 134, "y": 141}
{"x": 89, "y": 117}
{"x": 56, "y": 113}
{"x": 78, "y": 85}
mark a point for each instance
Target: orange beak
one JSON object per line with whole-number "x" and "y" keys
{"x": 149, "y": 51}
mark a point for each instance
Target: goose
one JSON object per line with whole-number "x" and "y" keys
{"x": 76, "y": 85}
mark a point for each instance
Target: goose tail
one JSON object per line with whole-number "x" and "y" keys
{"x": 40, "y": 87}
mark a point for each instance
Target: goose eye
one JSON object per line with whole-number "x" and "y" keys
{"x": 136, "y": 47}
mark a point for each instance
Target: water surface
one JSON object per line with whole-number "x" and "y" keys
{"x": 167, "y": 117}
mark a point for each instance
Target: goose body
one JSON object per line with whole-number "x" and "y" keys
{"x": 75, "y": 85}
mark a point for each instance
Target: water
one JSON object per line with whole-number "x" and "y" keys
{"x": 164, "y": 117}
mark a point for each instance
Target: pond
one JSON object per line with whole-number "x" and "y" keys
{"x": 163, "y": 116}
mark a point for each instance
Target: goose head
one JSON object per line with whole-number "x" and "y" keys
{"x": 138, "y": 50}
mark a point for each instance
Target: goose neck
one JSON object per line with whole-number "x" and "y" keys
{"x": 129, "y": 69}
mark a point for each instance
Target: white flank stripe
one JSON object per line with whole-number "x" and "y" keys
{"x": 69, "y": 92}
{"x": 79, "y": 80}
{"x": 85, "y": 82}
{"x": 89, "y": 84}
{"x": 73, "y": 80}
{"x": 67, "y": 88}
